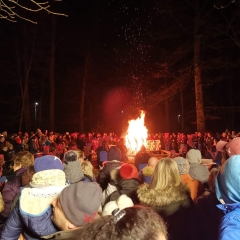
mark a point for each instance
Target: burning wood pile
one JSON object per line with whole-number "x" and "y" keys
{"x": 137, "y": 134}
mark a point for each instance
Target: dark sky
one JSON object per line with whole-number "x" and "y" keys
{"x": 135, "y": 48}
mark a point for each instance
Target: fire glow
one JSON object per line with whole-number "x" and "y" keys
{"x": 136, "y": 135}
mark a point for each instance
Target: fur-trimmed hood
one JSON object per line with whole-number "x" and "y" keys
{"x": 165, "y": 198}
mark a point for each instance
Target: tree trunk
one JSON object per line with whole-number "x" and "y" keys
{"x": 27, "y": 67}
{"x": 83, "y": 90}
{"x": 197, "y": 72}
{"x": 182, "y": 111}
{"x": 24, "y": 80}
{"x": 166, "y": 106}
{"x": 52, "y": 77}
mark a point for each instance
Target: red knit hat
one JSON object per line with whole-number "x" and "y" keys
{"x": 18, "y": 140}
{"x": 128, "y": 171}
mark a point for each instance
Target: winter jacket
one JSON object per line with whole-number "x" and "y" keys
{"x": 10, "y": 190}
{"x": 141, "y": 158}
{"x": 88, "y": 178}
{"x": 174, "y": 205}
{"x": 208, "y": 216}
{"x": 19, "y": 222}
{"x": 227, "y": 191}
{"x": 128, "y": 187}
{"x": 107, "y": 192}
{"x": 32, "y": 214}
{"x": 195, "y": 187}
{"x": 230, "y": 225}
{"x": 111, "y": 187}
{"x": 104, "y": 174}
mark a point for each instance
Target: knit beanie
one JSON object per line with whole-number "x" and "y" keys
{"x": 199, "y": 172}
{"x": 114, "y": 154}
{"x": 194, "y": 156}
{"x": 72, "y": 167}
{"x": 80, "y": 202}
{"x": 228, "y": 181}
{"x": 47, "y": 162}
{"x": 183, "y": 165}
{"x": 128, "y": 171}
{"x": 122, "y": 202}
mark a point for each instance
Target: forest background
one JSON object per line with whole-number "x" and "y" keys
{"x": 96, "y": 68}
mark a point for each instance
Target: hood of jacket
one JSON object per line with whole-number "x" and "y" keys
{"x": 128, "y": 185}
{"x": 228, "y": 181}
{"x": 162, "y": 198}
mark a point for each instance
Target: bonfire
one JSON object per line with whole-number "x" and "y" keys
{"x": 136, "y": 135}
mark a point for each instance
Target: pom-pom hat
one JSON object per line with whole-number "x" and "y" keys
{"x": 128, "y": 171}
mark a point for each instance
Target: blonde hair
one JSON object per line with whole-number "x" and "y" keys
{"x": 165, "y": 175}
{"x": 79, "y": 153}
{"x": 87, "y": 168}
{"x": 24, "y": 158}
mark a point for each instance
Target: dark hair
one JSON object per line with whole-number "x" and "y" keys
{"x": 137, "y": 222}
{"x": 27, "y": 176}
{"x": 212, "y": 179}
{"x": 53, "y": 146}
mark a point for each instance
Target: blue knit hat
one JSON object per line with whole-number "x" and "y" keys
{"x": 228, "y": 181}
{"x": 47, "y": 162}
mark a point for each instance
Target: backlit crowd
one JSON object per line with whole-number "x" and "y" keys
{"x": 86, "y": 186}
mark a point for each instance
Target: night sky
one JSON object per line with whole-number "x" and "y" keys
{"x": 134, "y": 49}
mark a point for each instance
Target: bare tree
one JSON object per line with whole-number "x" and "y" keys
{"x": 9, "y": 9}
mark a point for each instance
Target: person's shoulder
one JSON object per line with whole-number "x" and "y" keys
{"x": 230, "y": 225}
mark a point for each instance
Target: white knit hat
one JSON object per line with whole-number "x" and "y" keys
{"x": 122, "y": 202}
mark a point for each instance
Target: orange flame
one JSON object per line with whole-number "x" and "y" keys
{"x": 136, "y": 135}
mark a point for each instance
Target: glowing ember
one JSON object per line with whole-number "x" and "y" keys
{"x": 136, "y": 134}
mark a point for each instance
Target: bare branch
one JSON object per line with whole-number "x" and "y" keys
{"x": 221, "y": 7}
{"x": 9, "y": 13}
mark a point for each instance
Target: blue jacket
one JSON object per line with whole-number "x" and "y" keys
{"x": 31, "y": 226}
{"x": 230, "y": 225}
{"x": 32, "y": 214}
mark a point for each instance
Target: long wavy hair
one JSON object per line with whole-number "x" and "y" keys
{"x": 165, "y": 175}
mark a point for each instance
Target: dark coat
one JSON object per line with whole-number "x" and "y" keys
{"x": 174, "y": 205}
{"x": 10, "y": 190}
{"x": 128, "y": 187}
{"x": 31, "y": 226}
{"x": 141, "y": 158}
{"x": 208, "y": 216}
{"x": 87, "y": 178}
{"x": 104, "y": 174}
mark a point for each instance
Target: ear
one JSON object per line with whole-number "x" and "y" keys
{"x": 71, "y": 226}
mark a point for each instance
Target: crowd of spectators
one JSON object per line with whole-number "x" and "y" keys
{"x": 85, "y": 186}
